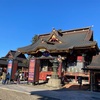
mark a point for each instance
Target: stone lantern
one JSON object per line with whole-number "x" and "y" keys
{"x": 54, "y": 81}
{"x": 55, "y": 66}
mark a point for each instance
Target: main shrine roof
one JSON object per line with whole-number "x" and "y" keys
{"x": 62, "y": 40}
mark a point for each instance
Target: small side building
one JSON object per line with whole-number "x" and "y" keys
{"x": 14, "y": 55}
{"x": 94, "y": 69}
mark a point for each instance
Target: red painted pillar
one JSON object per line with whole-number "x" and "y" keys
{"x": 14, "y": 69}
{"x": 60, "y": 69}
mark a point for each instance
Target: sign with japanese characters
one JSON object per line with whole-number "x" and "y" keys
{"x": 31, "y": 70}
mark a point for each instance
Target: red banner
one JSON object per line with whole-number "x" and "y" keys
{"x": 31, "y": 70}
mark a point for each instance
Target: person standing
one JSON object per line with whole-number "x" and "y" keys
{"x": 0, "y": 74}
{"x": 7, "y": 78}
{"x": 80, "y": 82}
{"x": 17, "y": 77}
{"x": 3, "y": 77}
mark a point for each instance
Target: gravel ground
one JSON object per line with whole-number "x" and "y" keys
{"x": 12, "y": 95}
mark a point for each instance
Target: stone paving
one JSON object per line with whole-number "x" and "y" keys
{"x": 59, "y": 94}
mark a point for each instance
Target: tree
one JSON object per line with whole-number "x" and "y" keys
{"x": 35, "y": 38}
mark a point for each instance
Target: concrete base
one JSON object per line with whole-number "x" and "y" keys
{"x": 56, "y": 83}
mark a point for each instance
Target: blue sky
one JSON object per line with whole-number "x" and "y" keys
{"x": 20, "y": 20}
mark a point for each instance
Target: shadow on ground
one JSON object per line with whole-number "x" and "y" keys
{"x": 55, "y": 94}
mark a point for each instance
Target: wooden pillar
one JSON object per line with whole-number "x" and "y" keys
{"x": 60, "y": 69}
{"x": 14, "y": 69}
{"x": 91, "y": 81}
{"x": 94, "y": 87}
{"x": 76, "y": 78}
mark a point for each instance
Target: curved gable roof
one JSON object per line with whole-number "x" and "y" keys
{"x": 70, "y": 39}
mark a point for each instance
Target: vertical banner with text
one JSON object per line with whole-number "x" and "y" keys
{"x": 9, "y": 67}
{"x": 31, "y": 70}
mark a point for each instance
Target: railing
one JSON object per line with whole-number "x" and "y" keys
{"x": 85, "y": 74}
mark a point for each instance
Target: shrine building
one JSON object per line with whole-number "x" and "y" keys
{"x": 75, "y": 48}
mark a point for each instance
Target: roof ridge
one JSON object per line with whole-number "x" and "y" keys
{"x": 76, "y": 29}
{"x": 69, "y": 30}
